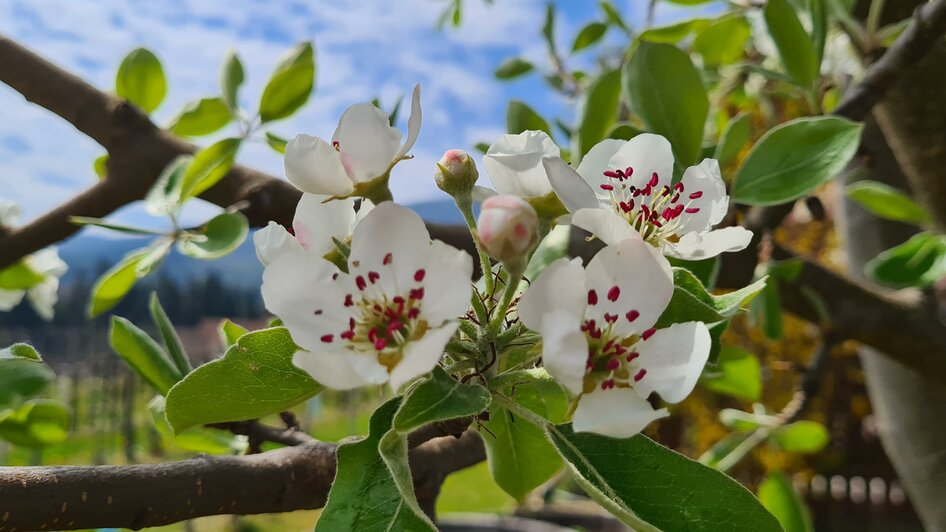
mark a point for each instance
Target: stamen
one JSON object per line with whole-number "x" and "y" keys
{"x": 632, "y": 315}
{"x": 614, "y": 364}
{"x": 696, "y": 195}
{"x": 632, "y": 355}
{"x": 416, "y": 293}
{"x": 387, "y": 259}
{"x": 419, "y": 275}
{"x": 373, "y": 277}
{"x": 607, "y": 187}
{"x": 327, "y": 338}
{"x": 349, "y": 300}
{"x": 678, "y": 186}
{"x": 380, "y": 344}
{"x": 413, "y": 313}
{"x": 648, "y": 333}
{"x": 614, "y": 293}
{"x": 592, "y": 297}
{"x": 653, "y": 180}
{"x": 360, "y": 282}
{"x": 610, "y": 318}
{"x": 640, "y": 375}
{"x": 692, "y": 210}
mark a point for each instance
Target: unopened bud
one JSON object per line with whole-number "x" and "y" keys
{"x": 508, "y": 228}
{"x": 456, "y": 173}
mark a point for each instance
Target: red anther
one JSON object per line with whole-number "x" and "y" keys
{"x": 648, "y": 333}
{"x": 372, "y": 335}
{"x": 595, "y": 333}
{"x": 613, "y": 364}
{"x": 667, "y": 214}
{"x": 413, "y": 313}
{"x": 676, "y": 198}
{"x": 394, "y": 326}
{"x": 632, "y": 355}
{"x": 380, "y": 344}
{"x": 614, "y": 293}
{"x": 387, "y": 259}
{"x": 607, "y": 187}
{"x": 619, "y": 349}
{"x": 665, "y": 191}
{"x": 653, "y": 180}
{"x": 398, "y": 300}
{"x": 640, "y": 375}
{"x": 349, "y": 300}
{"x": 678, "y": 209}
{"x": 646, "y": 191}
{"x": 656, "y": 223}
{"x": 692, "y": 210}
{"x": 626, "y": 207}
{"x": 347, "y": 335}
{"x": 608, "y": 345}
{"x": 645, "y": 211}
{"x": 335, "y": 276}
{"x": 327, "y": 338}
{"x": 628, "y": 171}
{"x": 351, "y": 323}
{"x": 317, "y": 312}
{"x": 612, "y": 174}
{"x": 589, "y": 325}
{"x": 373, "y": 277}
{"x": 336, "y": 145}
{"x": 378, "y": 308}
{"x": 678, "y": 186}
{"x": 607, "y": 385}
{"x": 636, "y": 192}
{"x": 360, "y": 282}
{"x": 592, "y": 297}
{"x": 419, "y": 275}
{"x": 589, "y": 365}
{"x": 696, "y": 195}
{"x": 632, "y": 315}
{"x": 416, "y": 293}
{"x": 610, "y": 318}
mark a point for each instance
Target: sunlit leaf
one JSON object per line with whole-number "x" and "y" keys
{"x": 513, "y": 68}
{"x": 290, "y": 85}
{"x": 920, "y": 262}
{"x": 201, "y": 118}
{"x": 588, "y": 35}
{"x": 231, "y": 77}
{"x": 143, "y": 355}
{"x": 209, "y": 166}
{"x": 140, "y": 80}
{"x": 738, "y": 374}
{"x": 520, "y": 117}
{"x": 216, "y": 238}
{"x": 887, "y": 202}
{"x": 778, "y": 496}
{"x": 795, "y": 47}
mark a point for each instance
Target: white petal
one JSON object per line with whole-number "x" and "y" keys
{"x": 569, "y": 186}
{"x": 618, "y": 413}
{"x": 341, "y": 370}
{"x": 694, "y": 246}
{"x": 514, "y": 164}
{"x": 43, "y": 297}
{"x": 272, "y": 241}
{"x": 420, "y": 356}
{"x": 413, "y": 124}
{"x": 395, "y": 230}
{"x": 705, "y": 180}
{"x": 646, "y": 154}
{"x": 674, "y": 358}
{"x": 317, "y": 222}
{"x": 367, "y": 142}
{"x": 314, "y": 166}
{"x": 637, "y": 279}
{"x": 596, "y": 161}
{"x": 480, "y": 194}
{"x": 604, "y": 224}
{"x": 10, "y": 298}
{"x": 47, "y": 262}
{"x": 447, "y": 283}
{"x": 564, "y": 348}
{"x": 9, "y": 212}
{"x": 560, "y": 286}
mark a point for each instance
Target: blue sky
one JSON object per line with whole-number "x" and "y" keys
{"x": 365, "y": 48}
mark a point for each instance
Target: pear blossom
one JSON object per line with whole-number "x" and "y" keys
{"x": 456, "y": 173}
{"x": 508, "y": 227}
{"x": 363, "y": 150}
{"x": 599, "y": 340}
{"x": 385, "y": 320}
{"x": 622, "y": 188}
{"x": 46, "y": 263}
{"x": 514, "y": 165}
{"x": 316, "y": 223}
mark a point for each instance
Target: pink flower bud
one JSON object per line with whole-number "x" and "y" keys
{"x": 456, "y": 173}
{"x": 508, "y": 227}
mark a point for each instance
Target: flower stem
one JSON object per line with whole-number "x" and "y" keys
{"x": 465, "y": 205}
{"x": 513, "y": 276}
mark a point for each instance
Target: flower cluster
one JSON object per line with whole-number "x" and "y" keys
{"x": 369, "y": 298}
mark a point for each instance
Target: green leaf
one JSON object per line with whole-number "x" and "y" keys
{"x": 778, "y": 496}
{"x": 716, "y": 331}
{"x": 171, "y": 341}
{"x": 217, "y": 391}
{"x": 689, "y": 2}
{"x": 21, "y": 377}
{"x": 794, "y": 158}
{"x": 738, "y": 374}
{"x": 553, "y": 247}
{"x": 198, "y": 440}
{"x": 614, "y": 18}
{"x": 887, "y": 202}
{"x": 795, "y": 47}
{"x": 230, "y": 332}
{"x": 666, "y": 91}
{"x": 201, "y": 118}
{"x": 216, "y": 238}
{"x": 598, "y": 113}
{"x": 20, "y": 276}
{"x": 513, "y": 68}
{"x": 920, "y": 262}
{"x": 35, "y": 424}
{"x": 802, "y": 437}
{"x": 624, "y": 131}
{"x": 674, "y": 33}
{"x": 548, "y": 27}
{"x": 723, "y": 448}
{"x": 650, "y": 487}
{"x": 819, "y": 27}
{"x": 164, "y": 197}
{"x": 290, "y": 85}
{"x": 101, "y": 166}
{"x": 210, "y": 165}
{"x": 143, "y": 355}
{"x": 590, "y": 34}
{"x": 520, "y": 117}
{"x": 723, "y": 41}
{"x": 734, "y": 137}
{"x": 691, "y": 301}
{"x": 140, "y": 80}
{"x": 438, "y": 398}
{"x": 276, "y": 142}
{"x": 365, "y": 495}
{"x": 20, "y": 351}
{"x": 231, "y": 77}
{"x": 115, "y": 283}
{"x": 706, "y": 270}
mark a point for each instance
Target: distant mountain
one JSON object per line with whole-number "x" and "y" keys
{"x": 88, "y": 255}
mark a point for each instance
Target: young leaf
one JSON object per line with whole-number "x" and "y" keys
{"x": 20, "y": 351}
{"x": 778, "y": 496}
{"x": 143, "y": 355}
{"x": 201, "y": 118}
{"x": 674, "y": 33}
{"x": 216, "y": 238}
{"x": 115, "y": 283}
{"x": 438, "y": 398}
{"x": 513, "y": 68}
{"x": 100, "y": 165}
{"x": 614, "y": 18}
{"x": 164, "y": 197}
{"x": 597, "y": 113}
{"x": 738, "y": 374}
{"x": 650, "y": 487}
{"x": 216, "y": 391}
{"x": 691, "y": 301}
{"x": 723, "y": 41}
{"x": 795, "y": 47}
{"x": 920, "y": 262}
{"x": 22, "y": 378}
{"x": 590, "y": 34}
{"x": 802, "y": 437}
{"x": 231, "y": 77}
{"x": 734, "y": 137}
{"x": 794, "y": 158}
{"x": 230, "y": 332}
{"x": 35, "y": 424}
{"x": 520, "y": 117}
{"x": 548, "y": 27}
{"x": 887, "y": 202}
{"x": 171, "y": 341}
{"x": 140, "y": 80}
{"x": 20, "y": 276}
{"x": 276, "y": 142}
{"x": 393, "y": 450}
{"x": 666, "y": 91}
{"x": 210, "y": 165}
{"x": 290, "y": 85}
{"x": 365, "y": 495}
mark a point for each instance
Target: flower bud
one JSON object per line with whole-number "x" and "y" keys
{"x": 456, "y": 173}
{"x": 508, "y": 228}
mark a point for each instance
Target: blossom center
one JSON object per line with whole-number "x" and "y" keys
{"x": 612, "y": 360}
{"x": 655, "y": 212}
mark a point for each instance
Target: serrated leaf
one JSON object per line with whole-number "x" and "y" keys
{"x": 738, "y": 374}
{"x": 588, "y": 35}
{"x": 201, "y": 118}
{"x": 513, "y": 68}
{"x": 802, "y": 437}
{"x": 115, "y": 283}
{"x": 919, "y": 262}
{"x": 35, "y": 424}
{"x": 231, "y": 77}
{"x": 171, "y": 341}
{"x": 597, "y": 113}
{"x": 887, "y": 202}
{"x": 143, "y": 355}
{"x": 778, "y": 496}
{"x": 216, "y": 238}
{"x": 795, "y": 47}
{"x": 140, "y": 80}
{"x": 217, "y": 391}
{"x": 692, "y": 302}
{"x": 520, "y": 117}
{"x": 794, "y": 158}
{"x": 439, "y": 397}
{"x": 209, "y": 166}
{"x": 290, "y": 85}
{"x": 650, "y": 487}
